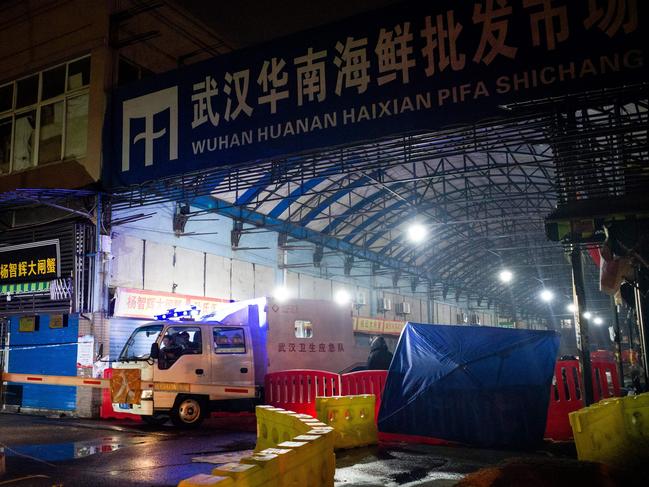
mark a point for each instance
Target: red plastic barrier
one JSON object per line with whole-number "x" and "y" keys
{"x": 297, "y": 389}
{"x": 365, "y": 382}
{"x": 106, "y": 409}
{"x": 566, "y": 393}
{"x": 373, "y": 382}
{"x": 606, "y": 380}
{"x": 602, "y": 356}
{"x": 565, "y": 397}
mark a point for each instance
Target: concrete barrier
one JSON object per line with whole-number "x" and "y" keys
{"x": 292, "y": 449}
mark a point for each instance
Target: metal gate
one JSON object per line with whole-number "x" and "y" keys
{"x": 4, "y": 350}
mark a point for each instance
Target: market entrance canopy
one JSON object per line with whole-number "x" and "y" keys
{"x": 484, "y": 386}
{"x": 412, "y": 68}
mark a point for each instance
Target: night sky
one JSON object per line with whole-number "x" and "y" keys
{"x": 248, "y": 22}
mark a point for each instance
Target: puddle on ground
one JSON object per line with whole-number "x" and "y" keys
{"x": 223, "y": 457}
{"x": 55, "y": 452}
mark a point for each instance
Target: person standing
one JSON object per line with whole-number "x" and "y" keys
{"x": 380, "y": 357}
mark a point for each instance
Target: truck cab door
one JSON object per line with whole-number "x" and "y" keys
{"x": 232, "y": 356}
{"x": 184, "y": 358}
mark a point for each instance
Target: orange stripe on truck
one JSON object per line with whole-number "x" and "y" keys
{"x": 238, "y": 391}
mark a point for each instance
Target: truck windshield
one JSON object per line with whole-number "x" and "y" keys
{"x": 138, "y": 346}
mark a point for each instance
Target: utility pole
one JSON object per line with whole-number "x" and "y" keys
{"x": 581, "y": 324}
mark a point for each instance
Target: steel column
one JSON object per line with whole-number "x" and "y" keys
{"x": 618, "y": 342}
{"x": 643, "y": 333}
{"x": 581, "y": 325}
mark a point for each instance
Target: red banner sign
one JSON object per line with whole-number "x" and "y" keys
{"x": 140, "y": 303}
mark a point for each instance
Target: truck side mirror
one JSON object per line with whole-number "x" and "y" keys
{"x": 155, "y": 350}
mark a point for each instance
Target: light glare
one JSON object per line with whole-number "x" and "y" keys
{"x": 505, "y": 276}
{"x": 588, "y": 315}
{"x": 342, "y": 297}
{"x": 416, "y": 232}
{"x": 281, "y": 294}
{"x": 571, "y": 308}
{"x": 546, "y": 295}
{"x": 598, "y": 320}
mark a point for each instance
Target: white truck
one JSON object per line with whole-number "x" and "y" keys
{"x": 219, "y": 361}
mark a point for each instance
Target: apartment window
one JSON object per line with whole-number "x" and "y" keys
{"x": 44, "y": 116}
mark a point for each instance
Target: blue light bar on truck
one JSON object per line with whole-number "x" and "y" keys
{"x": 178, "y": 313}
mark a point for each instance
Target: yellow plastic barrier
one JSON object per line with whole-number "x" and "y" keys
{"x": 636, "y": 418}
{"x": 613, "y": 431}
{"x": 305, "y": 458}
{"x": 203, "y": 479}
{"x": 275, "y": 425}
{"x": 352, "y": 418}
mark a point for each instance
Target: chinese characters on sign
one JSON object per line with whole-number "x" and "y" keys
{"x": 351, "y": 80}
{"x": 85, "y": 352}
{"x": 31, "y": 262}
{"x": 310, "y": 347}
{"x": 24, "y": 268}
{"x": 138, "y": 303}
{"x": 377, "y": 326}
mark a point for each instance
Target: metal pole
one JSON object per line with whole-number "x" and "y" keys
{"x": 618, "y": 342}
{"x": 642, "y": 331}
{"x": 581, "y": 325}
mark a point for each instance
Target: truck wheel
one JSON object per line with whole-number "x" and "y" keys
{"x": 188, "y": 412}
{"x": 156, "y": 420}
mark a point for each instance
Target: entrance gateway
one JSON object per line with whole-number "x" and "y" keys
{"x": 475, "y": 123}
{"x": 478, "y": 140}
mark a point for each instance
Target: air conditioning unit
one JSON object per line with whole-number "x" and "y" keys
{"x": 385, "y": 304}
{"x": 360, "y": 300}
{"x": 402, "y": 308}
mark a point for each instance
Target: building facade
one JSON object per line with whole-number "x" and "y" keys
{"x": 114, "y": 268}
{"x": 59, "y": 61}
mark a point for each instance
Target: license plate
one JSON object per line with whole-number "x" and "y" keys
{"x": 125, "y": 406}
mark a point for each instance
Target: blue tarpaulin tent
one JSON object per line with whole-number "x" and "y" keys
{"x": 484, "y": 386}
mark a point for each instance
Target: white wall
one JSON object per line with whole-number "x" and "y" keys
{"x": 158, "y": 266}
{"x": 217, "y": 276}
{"x": 148, "y": 255}
{"x": 127, "y": 269}
{"x": 243, "y": 278}
{"x": 188, "y": 272}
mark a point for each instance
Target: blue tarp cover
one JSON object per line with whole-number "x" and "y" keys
{"x": 485, "y": 386}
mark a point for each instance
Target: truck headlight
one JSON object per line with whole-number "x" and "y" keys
{"x": 147, "y": 394}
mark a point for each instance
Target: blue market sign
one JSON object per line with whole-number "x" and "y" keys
{"x": 413, "y": 68}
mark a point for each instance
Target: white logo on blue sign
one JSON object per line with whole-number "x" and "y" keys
{"x": 146, "y": 107}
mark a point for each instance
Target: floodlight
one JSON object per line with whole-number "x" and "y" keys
{"x": 546, "y": 295}
{"x": 505, "y": 276}
{"x": 281, "y": 294}
{"x": 342, "y": 297}
{"x": 417, "y": 232}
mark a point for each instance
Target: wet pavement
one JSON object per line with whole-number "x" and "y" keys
{"x": 43, "y": 451}
{"x": 73, "y": 452}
